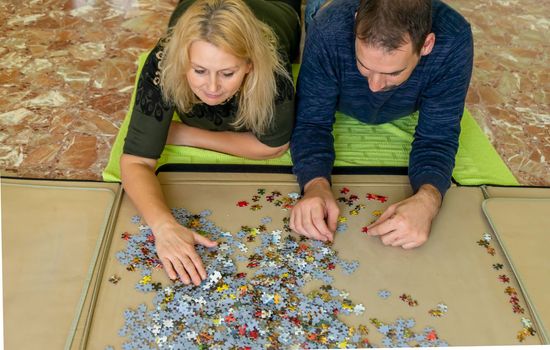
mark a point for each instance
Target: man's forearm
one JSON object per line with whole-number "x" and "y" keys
{"x": 312, "y": 153}
{"x": 431, "y": 197}
{"x": 317, "y": 182}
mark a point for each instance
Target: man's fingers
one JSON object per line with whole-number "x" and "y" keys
{"x": 292, "y": 218}
{"x": 411, "y": 245}
{"x": 303, "y": 224}
{"x": 295, "y": 219}
{"x": 332, "y": 216}
{"x": 311, "y": 231}
{"x": 297, "y": 224}
{"x": 400, "y": 241}
{"x": 389, "y": 238}
{"x": 382, "y": 228}
{"x": 385, "y": 216}
{"x": 319, "y": 228}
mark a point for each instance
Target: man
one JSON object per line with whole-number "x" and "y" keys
{"x": 379, "y": 60}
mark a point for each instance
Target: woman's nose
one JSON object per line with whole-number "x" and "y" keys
{"x": 213, "y": 84}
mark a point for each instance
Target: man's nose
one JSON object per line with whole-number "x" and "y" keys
{"x": 376, "y": 82}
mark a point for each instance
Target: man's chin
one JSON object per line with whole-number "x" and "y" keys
{"x": 389, "y": 88}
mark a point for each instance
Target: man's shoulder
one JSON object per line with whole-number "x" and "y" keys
{"x": 447, "y": 21}
{"x": 453, "y": 34}
{"x": 336, "y": 16}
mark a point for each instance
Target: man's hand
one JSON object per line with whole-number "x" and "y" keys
{"x": 176, "y": 250}
{"x": 315, "y": 215}
{"x": 407, "y": 223}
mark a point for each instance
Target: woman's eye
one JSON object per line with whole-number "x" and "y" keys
{"x": 199, "y": 71}
{"x": 228, "y": 75}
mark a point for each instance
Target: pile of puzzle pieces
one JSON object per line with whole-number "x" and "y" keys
{"x": 259, "y": 305}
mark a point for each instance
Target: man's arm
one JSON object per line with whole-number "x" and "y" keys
{"x": 435, "y": 144}
{"x": 407, "y": 224}
{"x": 312, "y": 143}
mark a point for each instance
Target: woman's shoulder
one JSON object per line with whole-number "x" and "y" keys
{"x": 285, "y": 85}
{"x": 271, "y": 9}
{"x": 181, "y": 7}
{"x": 281, "y": 18}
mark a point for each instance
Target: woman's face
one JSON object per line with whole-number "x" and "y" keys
{"x": 215, "y": 75}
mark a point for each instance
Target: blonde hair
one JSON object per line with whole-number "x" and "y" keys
{"x": 231, "y": 26}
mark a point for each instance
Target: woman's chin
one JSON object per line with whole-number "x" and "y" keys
{"x": 212, "y": 100}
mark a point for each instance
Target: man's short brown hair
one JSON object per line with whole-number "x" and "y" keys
{"x": 389, "y": 24}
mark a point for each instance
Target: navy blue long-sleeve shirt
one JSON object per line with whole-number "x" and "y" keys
{"x": 329, "y": 80}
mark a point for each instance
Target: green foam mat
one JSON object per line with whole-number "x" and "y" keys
{"x": 356, "y": 144}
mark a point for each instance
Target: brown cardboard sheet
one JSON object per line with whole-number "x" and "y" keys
{"x": 522, "y": 226}
{"x": 51, "y": 233}
{"x": 451, "y": 268}
{"x": 517, "y": 192}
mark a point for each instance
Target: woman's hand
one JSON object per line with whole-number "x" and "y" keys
{"x": 176, "y": 250}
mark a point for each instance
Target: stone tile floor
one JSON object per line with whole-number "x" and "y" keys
{"x": 67, "y": 70}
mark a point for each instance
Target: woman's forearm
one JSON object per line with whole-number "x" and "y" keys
{"x": 143, "y": 188}
{"x": 242, "y": 144}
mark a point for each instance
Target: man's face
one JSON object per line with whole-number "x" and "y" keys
{"x": 385, "y": 70}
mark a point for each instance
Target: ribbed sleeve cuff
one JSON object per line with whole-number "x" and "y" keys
{"x": 441, "y": 183}
{"x": 310, "y": 174}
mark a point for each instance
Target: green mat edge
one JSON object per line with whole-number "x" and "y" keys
{"x": 481, "y": 152}
{"x": 494, "y": 172}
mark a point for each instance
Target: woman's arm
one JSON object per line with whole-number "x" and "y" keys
{"x": 242, "y": 144}
{"x": 175, "y": 244}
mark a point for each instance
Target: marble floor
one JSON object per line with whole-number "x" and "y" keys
{"x": 67, "y": 69}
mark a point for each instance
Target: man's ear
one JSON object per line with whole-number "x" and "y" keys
{"x": 428, "y": 45}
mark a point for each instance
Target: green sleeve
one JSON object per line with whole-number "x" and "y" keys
{"x": 151, "y": 115}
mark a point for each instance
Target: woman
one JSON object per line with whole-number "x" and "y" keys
{"x": 224, "y": 68}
